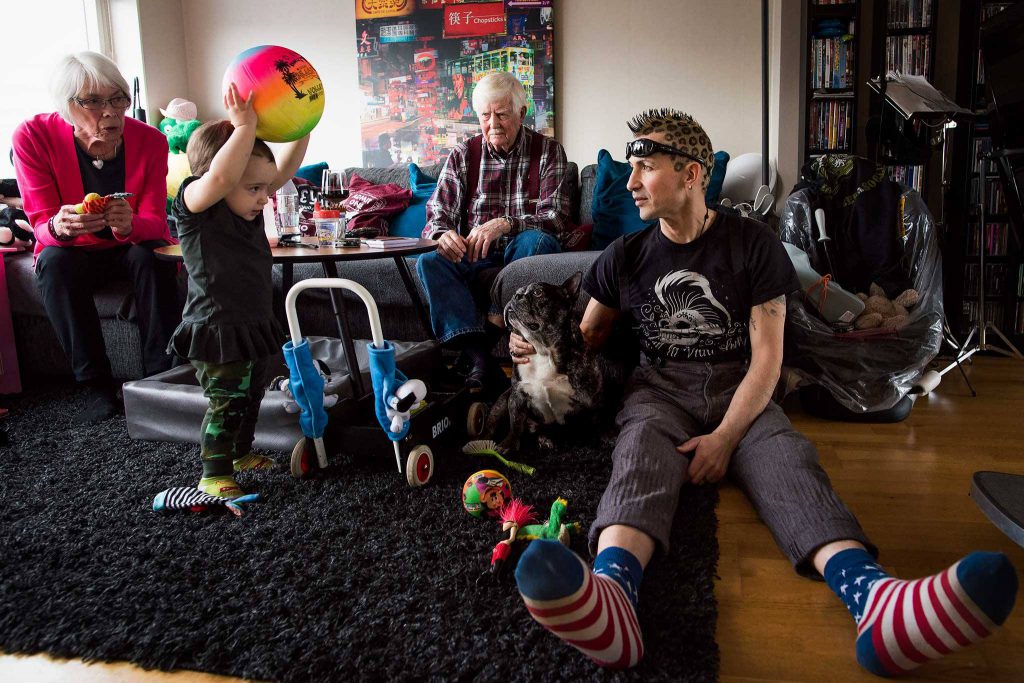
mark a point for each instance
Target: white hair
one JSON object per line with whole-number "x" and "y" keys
{"x": 500, "y": 86}
{"x": 83, "y": 70}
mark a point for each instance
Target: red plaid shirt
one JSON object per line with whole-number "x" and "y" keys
{"x": 502, "y": 190}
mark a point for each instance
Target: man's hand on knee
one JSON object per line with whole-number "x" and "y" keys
{"x": 452, "y": 246}
{"x": 484, "y": 236}
{"x": 711, "y": 457}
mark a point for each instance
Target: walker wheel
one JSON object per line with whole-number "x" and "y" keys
{"x": 419, "y": 466}
{"x": 304, "y": 461}
{"x": 475, "y": 419}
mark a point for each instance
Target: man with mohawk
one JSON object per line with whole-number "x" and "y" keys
{"x": 706, "y": 293}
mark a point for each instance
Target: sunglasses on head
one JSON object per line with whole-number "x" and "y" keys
{"x": 642, "y": 147}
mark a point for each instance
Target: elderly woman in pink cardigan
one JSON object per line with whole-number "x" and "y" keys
{"x": 88, "y": 145}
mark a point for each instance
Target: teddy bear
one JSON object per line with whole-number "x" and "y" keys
{"x": 880, "y": 311}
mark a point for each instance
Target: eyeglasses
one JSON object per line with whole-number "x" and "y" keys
{"x": 642, "y": 147}
{"x": 120, "y": 102}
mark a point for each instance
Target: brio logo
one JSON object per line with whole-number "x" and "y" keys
{"x": 441, "y": 426}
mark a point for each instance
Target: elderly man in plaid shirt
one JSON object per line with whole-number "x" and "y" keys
{"x": 502, "y": 196}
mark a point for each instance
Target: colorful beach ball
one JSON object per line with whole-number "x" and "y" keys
{"x": 289, "y": 96}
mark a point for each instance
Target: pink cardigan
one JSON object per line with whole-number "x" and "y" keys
{"x": 48, "y": 176}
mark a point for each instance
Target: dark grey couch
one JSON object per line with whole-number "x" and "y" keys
{"x": 39, "y": 351}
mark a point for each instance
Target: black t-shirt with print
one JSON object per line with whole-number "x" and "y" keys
{"x": 692, "y": 302}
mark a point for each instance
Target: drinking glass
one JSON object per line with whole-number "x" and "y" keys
{"x": 333, "y": 190}
{"x": 333, "y": 193}
{"x": 287, "y": 215}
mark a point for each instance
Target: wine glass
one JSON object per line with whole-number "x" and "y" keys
{"x": 333, "y": 190}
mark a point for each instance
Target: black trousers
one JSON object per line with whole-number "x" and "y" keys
{"x": 68, "y": 277}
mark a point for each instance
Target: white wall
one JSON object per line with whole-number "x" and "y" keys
{"x": 164, "y": 63}
{"x": 322, "y": 31}
{"x": 613, "y": 59}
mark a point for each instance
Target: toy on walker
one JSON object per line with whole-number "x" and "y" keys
{"x": 394, "y": 395}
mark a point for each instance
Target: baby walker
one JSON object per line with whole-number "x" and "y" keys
{"x": 399, "y": 406}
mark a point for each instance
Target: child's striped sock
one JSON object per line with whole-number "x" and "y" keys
{"x": 903, "y": 624}
{"x": 595, "y": 612}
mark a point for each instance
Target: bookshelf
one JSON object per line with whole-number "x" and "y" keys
{"x": 831, "y": 78}
{"x": 906, "y": 39}
{"x": 1003, "y": 276}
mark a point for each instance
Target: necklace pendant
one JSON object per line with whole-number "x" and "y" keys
{"x": 98, "y": 163}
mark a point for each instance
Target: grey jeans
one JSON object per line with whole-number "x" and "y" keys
{"x": 775, "y": 466}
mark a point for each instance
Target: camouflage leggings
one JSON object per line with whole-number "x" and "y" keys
{"x": 234, "y": 391}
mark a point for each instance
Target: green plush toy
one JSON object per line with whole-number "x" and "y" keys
{"x": 178, "y": 133}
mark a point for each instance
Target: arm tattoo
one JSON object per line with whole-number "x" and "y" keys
{"x": 775, "y": 308}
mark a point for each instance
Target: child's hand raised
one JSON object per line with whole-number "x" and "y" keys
{"x": 240, "y": 111}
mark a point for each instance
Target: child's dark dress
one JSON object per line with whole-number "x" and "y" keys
{"x": 228, "y": 330}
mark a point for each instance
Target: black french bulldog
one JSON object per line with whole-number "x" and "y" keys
{"x": 564, "y": 380}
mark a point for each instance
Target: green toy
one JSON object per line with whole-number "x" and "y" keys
{"x": 516, "y": 518}
{"x": 488, "y": 447}
{"x": 177, "y": 133}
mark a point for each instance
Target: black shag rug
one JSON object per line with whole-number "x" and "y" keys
{"x": 352, "y": 575}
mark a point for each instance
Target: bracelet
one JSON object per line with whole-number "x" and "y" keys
{"x": 53, "y": 231}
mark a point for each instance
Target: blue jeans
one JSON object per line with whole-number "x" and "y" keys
{"x": 453, "y": 311}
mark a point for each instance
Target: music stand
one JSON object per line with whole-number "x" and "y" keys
{"x": 915, "y": 99}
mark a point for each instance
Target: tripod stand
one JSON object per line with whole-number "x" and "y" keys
{"x": 983, "y": 325}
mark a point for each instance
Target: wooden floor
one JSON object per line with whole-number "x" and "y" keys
{"x": 908, "y": 484}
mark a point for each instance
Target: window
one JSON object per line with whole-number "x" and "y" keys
{"x": 38, "y": 34}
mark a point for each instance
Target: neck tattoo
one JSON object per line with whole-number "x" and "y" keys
{"x": 98, "y": 160}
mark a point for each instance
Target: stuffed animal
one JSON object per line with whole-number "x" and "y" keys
{"x": 517, "y": 520}
{"x": 94, "y": 203}
{"x": 880, "y": 311}
{"x": 180, "y": 122}
{"x": 331, "y": 385}
{"x": 14, "y": 228}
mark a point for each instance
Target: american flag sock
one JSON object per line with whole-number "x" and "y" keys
{"x": 903, "y": 624}
{"x": 594, "y": 612}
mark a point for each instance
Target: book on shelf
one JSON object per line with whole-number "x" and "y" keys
{"x": 995, "y": 198}
{"x": 390, "y": 242}
{"x": 995, "y": 279}
{"x": 833, "y": 62}
{"x": 830, "y": 123}
{"x": 910, "y": 14}
{"x": 909, "y": 54}
{"x": 996, "y": 239}
{"x": 993, "y": 312}
{"x": 906, "y": 175}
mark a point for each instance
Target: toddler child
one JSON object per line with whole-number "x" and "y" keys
{"x": 228, "y": 329}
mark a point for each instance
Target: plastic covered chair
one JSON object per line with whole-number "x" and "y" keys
{"x": 878, "y": 231}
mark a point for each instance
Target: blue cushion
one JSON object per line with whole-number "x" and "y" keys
{"x": 410, "y": 222}
{"x": 314, "y": 173}
{"x": 717, "y": 177}
{"x": 615, "y": 214}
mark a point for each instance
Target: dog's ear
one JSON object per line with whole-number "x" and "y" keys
{"x": 572, "y": 285}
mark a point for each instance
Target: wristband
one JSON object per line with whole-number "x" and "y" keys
{"x": 53, "y": 231}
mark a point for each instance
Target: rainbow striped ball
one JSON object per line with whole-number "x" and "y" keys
{"x": 289, "y": 99}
